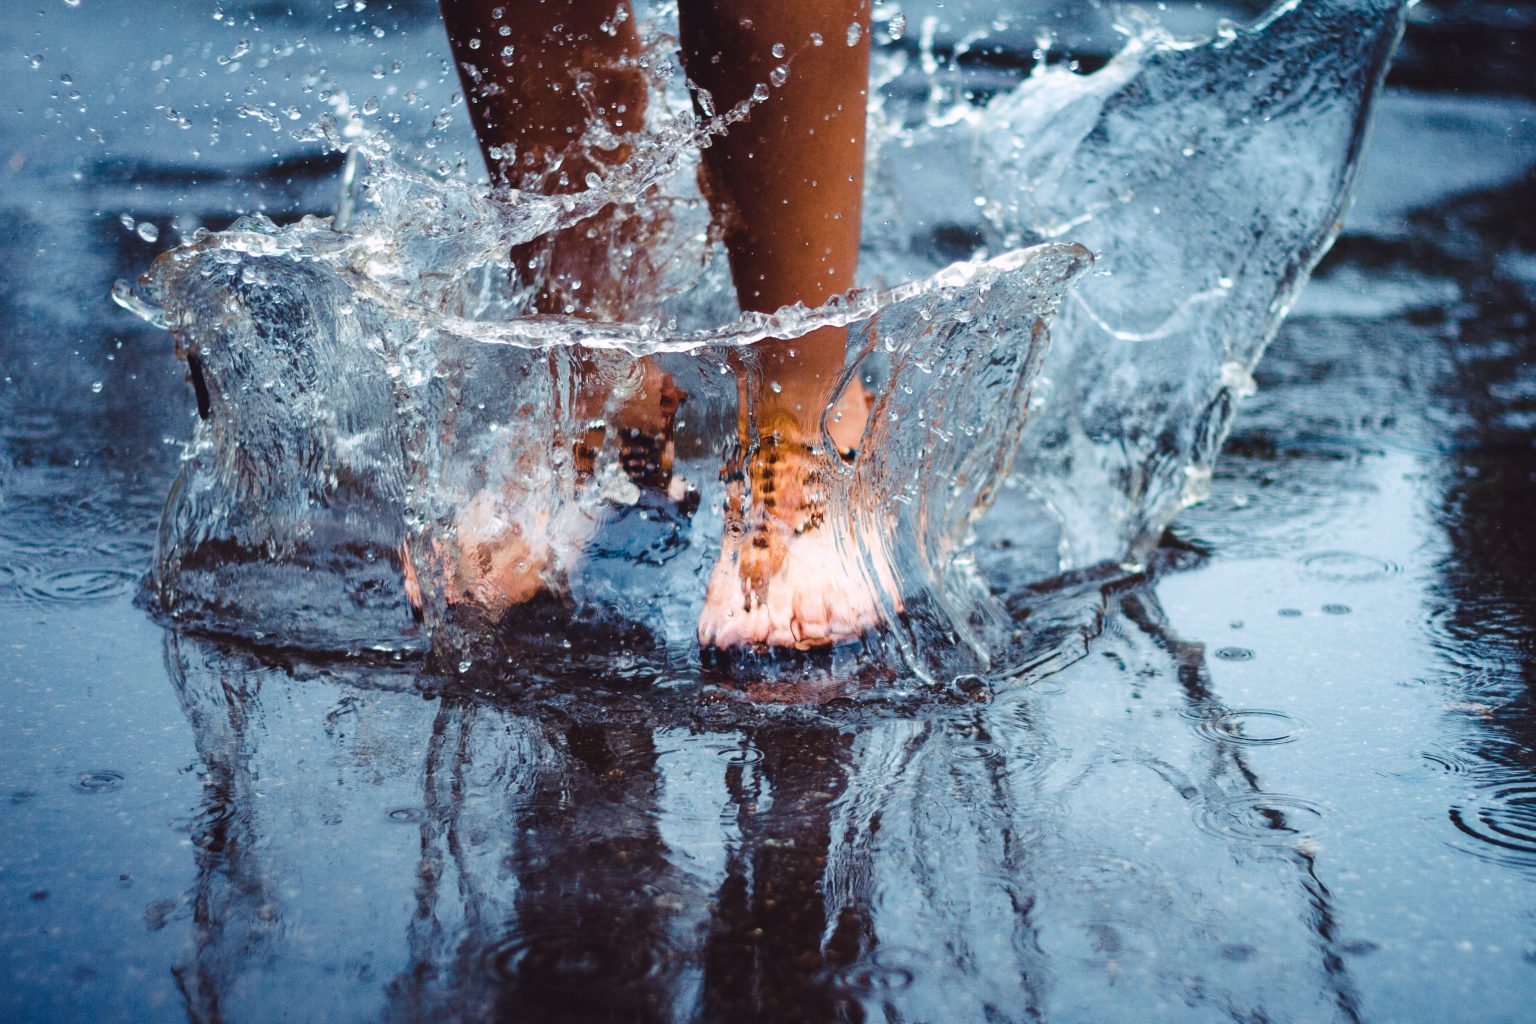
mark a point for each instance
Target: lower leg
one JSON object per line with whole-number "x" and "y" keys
{"x": 552, "y": 89}
{"x": 539, "y": 79}
{"x": 787, "y": 187}
{"x": 788, "y": 182}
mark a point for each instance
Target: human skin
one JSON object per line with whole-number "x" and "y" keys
{"x": 786, "y": 187}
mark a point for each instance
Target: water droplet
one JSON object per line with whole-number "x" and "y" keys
{"x": 816, "y": 39}
{"x": 148, "y": 231}
{"x": 778, "y": 51}
{"x": 35, "y": 61}
{"x": 778, "y": 76}
{"x": 897, "y": 26}
{"x": 1234, "y": 654}
{"x": 855, "y": 33}
{"x": 760, "y": 92}
{"x": 96, "y": 387}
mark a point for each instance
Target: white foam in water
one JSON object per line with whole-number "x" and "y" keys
{"x": 380, "y": 389}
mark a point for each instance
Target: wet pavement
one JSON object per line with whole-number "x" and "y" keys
{"x": 1292, "y": 777}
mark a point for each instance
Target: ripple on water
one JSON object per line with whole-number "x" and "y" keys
{"x": 1501, "y": 817}
{"x": 126, "y": 551}
{"x": 12, "y": 572}
{"x": 1347, "y": 567}
{"x": 588, "y": 962}
{"x": 1265, "y": 819}
{"x": 881, "y": 973}
{"x": 99, "y": 780}
{"x": 1489, "y": 762}
{"x": 1249, "y": 727}
{"x": 1234, "y": 654}
{"x": 739, "y": 756}
{"x": 407, "y": 815}
{"x": 67, "y": 586}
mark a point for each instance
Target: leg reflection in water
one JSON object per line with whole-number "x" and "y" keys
{"x": 554, "y": 89}
{"x": 363, "y": 853}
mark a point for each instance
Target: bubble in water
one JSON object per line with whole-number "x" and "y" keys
{"x": 148, "y": 231}
{"x": 855, "y": 33}
{"x": 897, "y": 26}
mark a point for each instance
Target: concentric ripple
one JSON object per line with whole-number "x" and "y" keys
{"x": 100, "y": 780}
{"x": 883, "y": 972}
{"x": 1265, "y": 819}
{"x": 1501, "y": 816}
{"x": 1250, "y": 727}
{"x": 739, "y": 756}
{"x": 65, "y": 586}
{"x": 1347, "y": 567}
{"x": 588, "y": 963}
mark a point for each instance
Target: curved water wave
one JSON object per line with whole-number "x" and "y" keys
{"x": 339, "y": 425}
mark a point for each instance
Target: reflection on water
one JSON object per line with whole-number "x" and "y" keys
{"x": 520, "y": 859}
{"x": 1286, "y": 776}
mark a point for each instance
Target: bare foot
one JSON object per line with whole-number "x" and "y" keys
{"x": 515, "y": 541}
{"x": 788, "y": 576}
{"x": 506, "y": 549}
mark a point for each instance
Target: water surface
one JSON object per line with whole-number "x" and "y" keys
{"x": 1290, "y": 777}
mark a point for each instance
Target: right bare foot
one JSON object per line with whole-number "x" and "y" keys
{"x": 789, "y": 574}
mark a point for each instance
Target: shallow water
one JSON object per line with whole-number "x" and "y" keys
{"x": 1290, "y": 777}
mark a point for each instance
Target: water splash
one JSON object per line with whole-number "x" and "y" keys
{"x": 373, "y": 381}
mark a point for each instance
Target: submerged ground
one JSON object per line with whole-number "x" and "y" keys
{"x": 1294, "y": 777}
